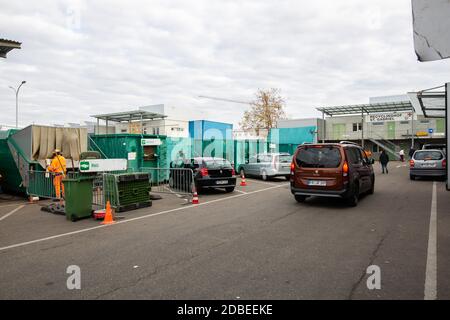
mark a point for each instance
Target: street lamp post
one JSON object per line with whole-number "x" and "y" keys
{"x": 16, "y": 91}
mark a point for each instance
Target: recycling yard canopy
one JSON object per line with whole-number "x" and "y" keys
{"x": 434, "y": 103}
{"x": 431, "y": 24}
{"x": 8, "y": 45}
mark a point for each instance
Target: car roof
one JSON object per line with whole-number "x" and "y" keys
{"x": 334, "y": 144}
{"x": 274, "y": 154}
{"x": 207, "y": 158}
{"x": 428, "y": 150}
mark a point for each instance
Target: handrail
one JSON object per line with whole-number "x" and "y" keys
{"x": 378, "y": 137}
{"x": 99, "y": 149}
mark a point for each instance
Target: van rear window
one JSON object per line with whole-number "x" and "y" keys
{"x": 323, "y": 157}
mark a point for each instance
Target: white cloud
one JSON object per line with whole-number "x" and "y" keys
{"x": 81, "y": 58}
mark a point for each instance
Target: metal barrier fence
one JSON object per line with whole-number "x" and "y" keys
{"x": 41, "y": 183}
{"x": 178, "y": 181}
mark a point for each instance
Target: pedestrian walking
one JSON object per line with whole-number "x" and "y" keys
{"x": 402, "y": 155}
{"x": 384, "y": 159}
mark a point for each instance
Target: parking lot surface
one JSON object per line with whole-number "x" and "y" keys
{"x": 254, "y": 243}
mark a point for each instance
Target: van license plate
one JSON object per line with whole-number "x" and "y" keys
{"x": 222, "y": 182}
{"x": 317, "y": 183}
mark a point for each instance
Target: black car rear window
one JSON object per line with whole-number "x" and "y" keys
{"x": 217, "y": 164}
{"x": 428, "y": 155}
{"x": 318, "y": 157}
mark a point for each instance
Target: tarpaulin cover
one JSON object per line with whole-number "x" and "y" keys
{"x": 71, "y": 142}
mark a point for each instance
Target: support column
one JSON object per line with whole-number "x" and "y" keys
{"x": 362, "y": 128}
{"x": 324, "y": 128}
{"x": 412, "y": 131}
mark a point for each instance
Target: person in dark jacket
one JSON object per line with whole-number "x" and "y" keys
{"x": 384, "y": 159}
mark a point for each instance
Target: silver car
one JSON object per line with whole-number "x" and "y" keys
{"x": 427, "y": 163}
{"x": 267, "y": 165}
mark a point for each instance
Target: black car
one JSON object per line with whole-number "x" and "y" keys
{"x": 209, "y": 173}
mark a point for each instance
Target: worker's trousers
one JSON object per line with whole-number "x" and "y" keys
{"x": 59, "y": 186}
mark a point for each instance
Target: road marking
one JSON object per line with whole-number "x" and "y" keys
{"x": 8, "y": 205}
{"x": 265, "y": 183}
{"x": 431, "y": 269}
{"x": 240, "y": 191}
{"x": 22, "y": 244}
{"x": 11, "y": 212}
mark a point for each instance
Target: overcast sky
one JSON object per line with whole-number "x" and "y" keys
{"x": 81, "y": 58}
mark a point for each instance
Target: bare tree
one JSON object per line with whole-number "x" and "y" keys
{"x": 265, "y": 110}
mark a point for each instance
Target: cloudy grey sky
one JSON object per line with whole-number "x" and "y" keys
{"x": 81, "y": 58}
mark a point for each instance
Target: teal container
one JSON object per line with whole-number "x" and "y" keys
{"x": 128, "y": 146}
{"x": 78, "y": 197}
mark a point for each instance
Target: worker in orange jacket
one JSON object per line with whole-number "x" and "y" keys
{"x": 59, "y": 169}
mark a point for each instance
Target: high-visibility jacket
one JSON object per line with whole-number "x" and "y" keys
{"x": 58, "y": 165}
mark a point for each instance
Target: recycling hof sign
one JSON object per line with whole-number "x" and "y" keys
{"x": 391, "y": 116}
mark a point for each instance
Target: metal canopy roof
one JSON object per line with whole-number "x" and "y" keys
{"x": 367, "y": 108}
{"x": 129, "y": 116}
{"x": 7, "y": 45}
{"x": 432, "y": 103}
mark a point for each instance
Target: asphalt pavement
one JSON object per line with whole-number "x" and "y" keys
{"x": 256, "y": 243}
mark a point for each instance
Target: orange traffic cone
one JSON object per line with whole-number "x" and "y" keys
{"x": 195, "y": 198}
{"x": 243, "y": 182}
{"x": 108, "y": 215}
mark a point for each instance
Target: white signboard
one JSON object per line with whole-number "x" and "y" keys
{"x": 104, "y": 165}
{"x": 391, "y": 116}
{"x": 151, "y": 142}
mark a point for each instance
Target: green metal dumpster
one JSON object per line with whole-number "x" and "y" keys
{"x": 78, "y": 196}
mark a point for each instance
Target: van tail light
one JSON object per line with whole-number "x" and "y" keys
{"x": 204, "y": 172}
{"x": 411, "y": 163}
{"x": 345, "y": 167}
{"x": 345, "y": 170}
{"x": 444, "y": 163}
{"x": 233, "y": 172}
{"x": 292, "y": 167}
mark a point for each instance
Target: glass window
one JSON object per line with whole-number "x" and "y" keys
{"x": 354, "y": 155}
{"x": 428, "y": 155}
{"x": 149, "y": 152}
{"x": 283, "y": 159}
{"x": 217, "y": 164}
{"x": 363, "y": 155}
{"x": 264, "y": 158}
{"x": 357, "y": 126}
{"x": 318, "y": 157}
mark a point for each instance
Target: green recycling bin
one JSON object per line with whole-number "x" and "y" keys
{"x": 78, "y": 196}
